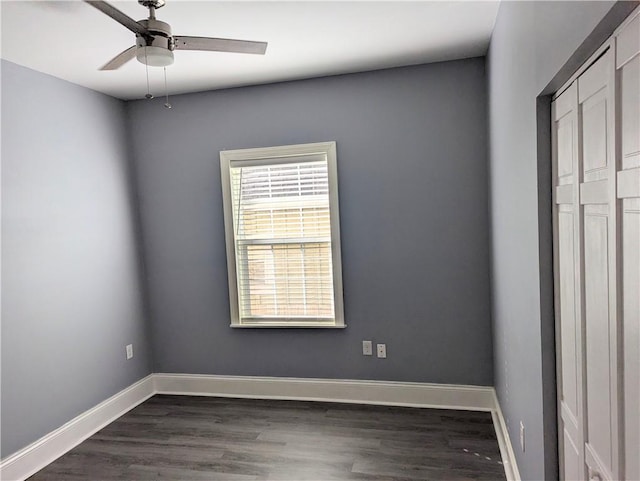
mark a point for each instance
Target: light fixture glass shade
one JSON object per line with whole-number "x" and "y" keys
{"x": 154, "y": 56}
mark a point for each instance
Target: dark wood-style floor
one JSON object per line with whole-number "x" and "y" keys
{"x": 204, "y": 438}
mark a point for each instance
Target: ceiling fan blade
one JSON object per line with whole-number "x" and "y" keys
{"x": 119, "y": 17}
{"x": 219, "y": 45}
{"x": 120, "y": 59}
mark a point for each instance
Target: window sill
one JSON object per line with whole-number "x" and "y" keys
{"x": 285, "y": 326}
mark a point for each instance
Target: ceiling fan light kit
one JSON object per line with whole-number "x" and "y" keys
{"x": 154, "y": 56}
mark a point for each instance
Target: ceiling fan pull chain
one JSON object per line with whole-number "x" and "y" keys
{"x": 149, "y": 96}
{"x": 166, "y": 90}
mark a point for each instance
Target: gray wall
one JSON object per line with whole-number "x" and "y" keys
{"x": 71, "y": 290}
{"x": 414, "y": 223}
{"x": 535, "y": 47}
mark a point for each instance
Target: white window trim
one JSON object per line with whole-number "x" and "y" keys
{"x": 292, "y": 153}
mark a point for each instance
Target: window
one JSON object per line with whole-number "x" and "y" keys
{"x": 283, "y": 236}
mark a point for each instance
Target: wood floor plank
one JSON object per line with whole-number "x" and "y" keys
{"x": 205, "y": 438}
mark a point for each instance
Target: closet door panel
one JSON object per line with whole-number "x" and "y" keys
{"x": 594, "y": 128}
{"x": 628, "y": 64}
{"x": 598, "y": 339}
{"x": 573, "y": 467}
{"x": 569, "y": 326}
{"x": 565, "y": 148}
{"x": 628, "y": 41}
{"x": 567, "y": 261}
{"x": 630, "y": 113}
{"x": 599, "y": 222}
{"x": 631, "y": 310}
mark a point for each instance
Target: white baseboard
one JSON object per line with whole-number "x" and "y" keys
{"x": 50, "y": 447}
{"x": 443, "y": 396}
{"x": 37, "y": 455}
{"x": 504, "y": 442}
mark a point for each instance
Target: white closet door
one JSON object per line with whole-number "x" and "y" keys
{"x": 600, "y": 304}
{"x": 628, "y": 65}
{"x": 566, "y": 171}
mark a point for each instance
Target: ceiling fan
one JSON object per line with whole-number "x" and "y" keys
{"x": 155, "y": 43}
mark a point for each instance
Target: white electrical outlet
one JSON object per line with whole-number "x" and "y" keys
{"x": 129, "y": 351}
{"x": 382, "y": 350}
{"x": 367, "y": 348}
{"x": 522, "y": 435}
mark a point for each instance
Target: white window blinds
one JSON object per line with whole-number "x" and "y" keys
{"x": 282, "y": 240}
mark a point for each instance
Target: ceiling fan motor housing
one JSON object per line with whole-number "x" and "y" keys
{"x": 155, "y": 50}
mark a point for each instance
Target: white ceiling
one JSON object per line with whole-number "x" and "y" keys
{"x": 71, "y": 40}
